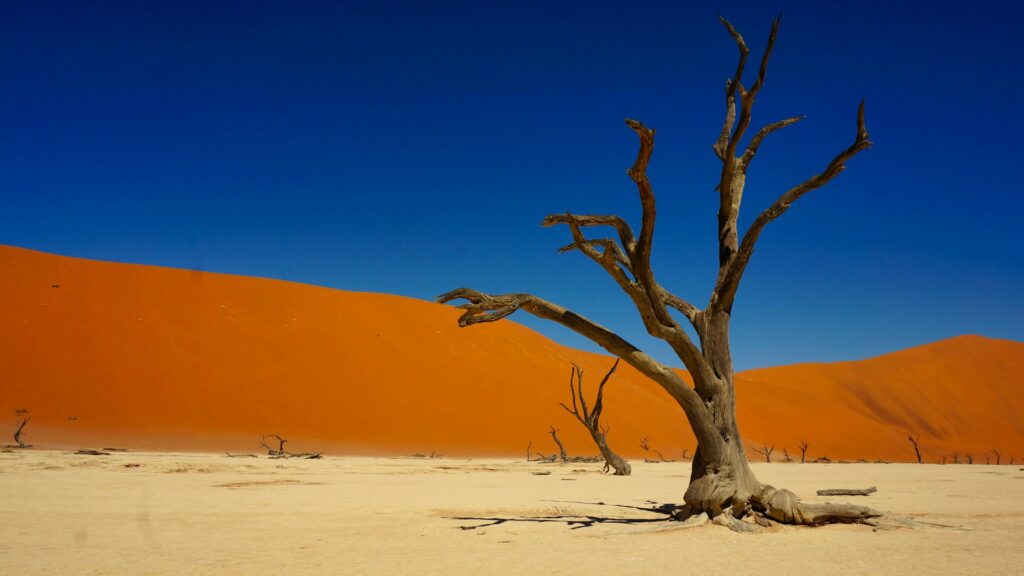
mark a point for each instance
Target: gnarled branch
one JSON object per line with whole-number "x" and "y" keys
{"x": 483, "y": 307}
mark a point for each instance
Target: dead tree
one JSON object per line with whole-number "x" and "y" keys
{"x": 22, "y": 421}
{"x": 914, "y": 439}
{"x": 561, "y": 449}
{"x": 998, "y": 455}
{"x": 803, "y": 451}
{"x": 721, "y": 480}
{"x": 970, "y": 458}
{"x": 591, "y": 418}
{"x": 785, "y": 456}
{"x": 279, "y": 452}
{"x": 686, "y": 455}
{"x": 956, "y": 457}
{"x": 766, "y": 451}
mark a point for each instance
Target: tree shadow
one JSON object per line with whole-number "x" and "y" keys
{"x": 665, "y": 512}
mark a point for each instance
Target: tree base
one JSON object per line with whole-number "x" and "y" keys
{"x": 769, "y": 506}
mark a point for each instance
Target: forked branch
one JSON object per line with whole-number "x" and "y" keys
{"x": 731, "y": 271}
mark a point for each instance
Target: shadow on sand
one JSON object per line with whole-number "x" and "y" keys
{"x": 665, "y": 512}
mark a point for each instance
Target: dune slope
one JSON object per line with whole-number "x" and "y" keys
{"x": 106, "y": 354}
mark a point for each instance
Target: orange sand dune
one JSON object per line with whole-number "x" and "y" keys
{"x": 106, "y": 354}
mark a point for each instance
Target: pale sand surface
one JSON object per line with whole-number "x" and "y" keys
{"x": 209, "y": 514}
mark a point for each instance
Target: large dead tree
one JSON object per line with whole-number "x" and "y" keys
{"x": 721, "y": 482}
{"x": 591, "y": 418}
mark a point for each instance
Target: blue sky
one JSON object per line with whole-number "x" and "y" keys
{"x": 411, "y": 149}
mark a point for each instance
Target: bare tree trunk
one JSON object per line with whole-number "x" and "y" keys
{"x": 561, "y": 449}
{"x": 803, "y": 451}
{"x": 611, "y": 459}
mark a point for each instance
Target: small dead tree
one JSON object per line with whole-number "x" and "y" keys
{"x": 274, "y": 453}
{"x": 956, "y": 457}
{"x": 591, "y": 418}
{"x": 280, "y": 452}
{"x": 785, "y": 456}
{"x": 766, "y": 451}
{"x": 561, "y": 449}
{"x": 646, "y": 447}
{"x": 998, "y": 455}
{"x": 914, "y": 439}
{"x": 970, "y": 458}
{"x": 685, "y": 454}
{"x": 988, "y": 459}
{"x": 803, "y": 451}
{"x": 22, "y": 419}
{"x": 721, "y": 482}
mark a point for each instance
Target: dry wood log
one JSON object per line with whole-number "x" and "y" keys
{"x": 847, "y": 491}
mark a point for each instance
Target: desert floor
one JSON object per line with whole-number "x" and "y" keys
{"x": 160, "y": 513}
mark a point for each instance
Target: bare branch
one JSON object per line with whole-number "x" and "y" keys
{"x": 487, "y": 308}
{"x": 599, "y": 402}
{"x": 755, "y": 142}
{"x": 588, "y": 220}
{"x": 748, "y": 97}
{"x": 730, "y": 274}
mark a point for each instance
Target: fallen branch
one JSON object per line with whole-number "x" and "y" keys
{"x": 847, "y": 491}
{"x": 93, "y": 453}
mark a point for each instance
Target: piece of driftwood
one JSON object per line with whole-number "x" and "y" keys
{"x": 93, "y": 453}
{"x": 847, "y": 491}
{"x": 230, "y": 455}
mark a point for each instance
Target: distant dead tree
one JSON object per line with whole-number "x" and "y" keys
{"x": 709, "y": 403}
{"x": 956, "y": 457}
{"x": 591, "y": 418}
{"x": 914, "y": 439}
{"x": 280, "y": 452}
{"x": 785, "y": 456}
{"x": 561, "y": 449}
{"x": 970, "y": 458}
{"x": 529, "y": 446}
{"x": 22, "y": 419}
{"x": 943, "y": 459}
{"x": 998, "y": 455}
{"x": 988, "y": 459}
{"x": 685, "y": 454}
{"x": 803, "y": 451}
{"x": 766, "y": 451}
{"x": 646, "y": 447}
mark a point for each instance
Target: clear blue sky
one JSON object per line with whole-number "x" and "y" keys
{"x": 414, "y": 149}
